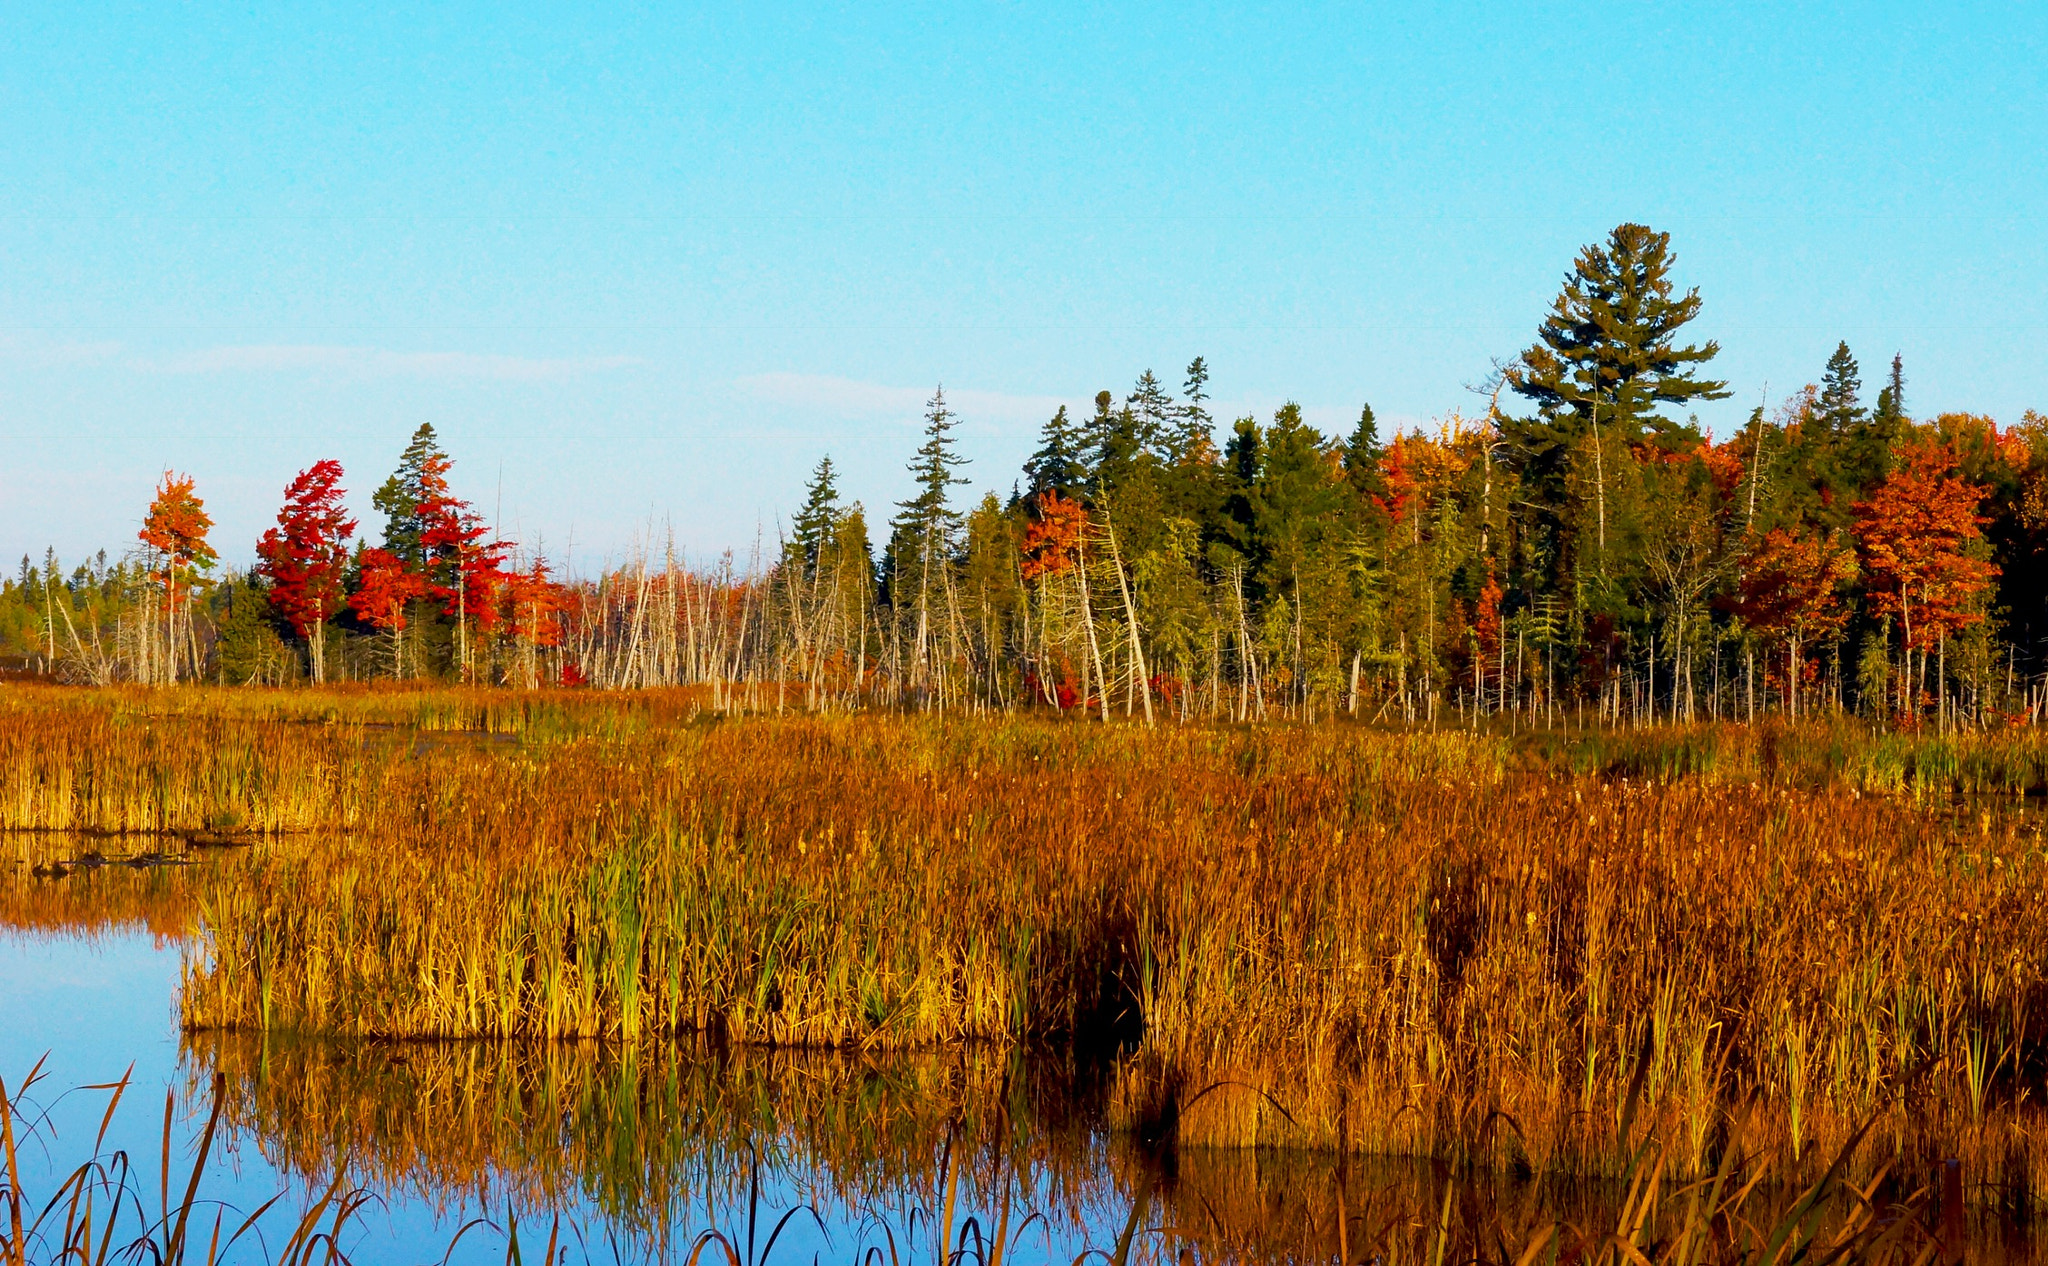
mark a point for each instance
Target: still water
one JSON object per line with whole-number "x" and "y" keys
{"x": 624, "y": 1154}
{"x": 634, "y": 1154}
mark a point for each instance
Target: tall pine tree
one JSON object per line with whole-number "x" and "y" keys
{"x": 1608, "y": 357}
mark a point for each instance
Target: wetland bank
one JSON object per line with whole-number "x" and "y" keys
{"x": 534, "y": 944}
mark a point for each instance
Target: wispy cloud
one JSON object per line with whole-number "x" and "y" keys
{"x": 377, "y": 362}
{"x": 869, "y": 399}
{"x": 36, "y": 351}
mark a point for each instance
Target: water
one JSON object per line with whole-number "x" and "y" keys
{"x": 632, "y": 1154}
{"x": 636, "y": 1152}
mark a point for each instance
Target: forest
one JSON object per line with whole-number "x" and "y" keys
{"x": 1575, "y": 545}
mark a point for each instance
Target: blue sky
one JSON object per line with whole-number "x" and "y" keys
{"x": 641, "y": 269}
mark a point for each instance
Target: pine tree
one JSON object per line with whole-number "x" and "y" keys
{"x": 1607, "y": 358}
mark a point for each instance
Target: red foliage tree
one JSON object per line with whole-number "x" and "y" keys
{"x": 1919, "y": 534}
{"x": 175, "y": 529}
{"x": 305, "y": 555}
{"x": 464, "y": 570}
{"x": 385, "y": 587}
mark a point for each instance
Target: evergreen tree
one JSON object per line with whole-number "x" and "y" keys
{"x": 1891, "y": 398}
{"x": 1152, "y": 412}
{"x": 1057, "y": 465}
{"x": 1840, "y": 408}
{"x": 1608, "y": 357}
{"x": 1116, "y": 446}
{"x": 1193, "y": 438}
{"x": 1364, "y": 454}
{"x": 922, "y": 536}
{"x": 402, "y": 495}
{"x": 1867, "y": 456}
{"x": 812, "y": 530}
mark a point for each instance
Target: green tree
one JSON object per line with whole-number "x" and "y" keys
{"x": 1057, "y": 466}
{"x": 918, "y": 565}
{"x": 811, "y": 532}
{"x": 402, "y": 495}
{"x": 1608, "y": 357}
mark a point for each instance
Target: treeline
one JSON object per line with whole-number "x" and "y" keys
{"x": 1576, "y": 544}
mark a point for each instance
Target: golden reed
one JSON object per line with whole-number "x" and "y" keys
{"x": 1452, "y": 944}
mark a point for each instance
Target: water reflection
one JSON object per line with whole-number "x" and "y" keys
{"x": 643, "y": 1147}
{"x": 664, "y": 1140}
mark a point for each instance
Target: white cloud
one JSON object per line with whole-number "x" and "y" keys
{"x": 377, "y": 362}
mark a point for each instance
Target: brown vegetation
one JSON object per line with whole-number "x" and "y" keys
{"x": 1443, "y": 944}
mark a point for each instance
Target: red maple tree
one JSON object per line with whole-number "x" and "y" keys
{"x": 1919, "y": 534}
{"x": 384, "y": 588}
{"x": 175, "y": 529}
{"x": 534, "y": 606}
{"x": 464, "y": 569}
{"x": 305, "y": 555}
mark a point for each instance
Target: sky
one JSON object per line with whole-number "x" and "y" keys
{"x": 641, "y": 268}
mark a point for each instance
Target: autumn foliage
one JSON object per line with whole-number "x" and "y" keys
{"x": 1920, "y": 535}
{"x": 1055, "y": 537}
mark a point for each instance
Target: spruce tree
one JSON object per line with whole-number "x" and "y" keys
{"x": 400, "y": 497}
{"x": 1056, "y": 466}
{"x": 922, "y": 535}
{"x": 1867, "y": 452}
{"x": 1363, "y": 454}
{"x": 812, "y": 529}
{"x": 1840, "y": 406}
{"x": 1891, "y": 398}
{"x": 1151, "y": 411}
{"x": 1608, "y": 356}
{"x": 1194, "y": 432}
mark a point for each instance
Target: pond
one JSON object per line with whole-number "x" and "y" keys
{"x": 634, "y": 1153}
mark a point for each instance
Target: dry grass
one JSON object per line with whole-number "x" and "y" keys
{"x": 1439, "y": 944}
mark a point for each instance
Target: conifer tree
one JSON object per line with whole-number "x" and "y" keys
{"x": 1608, "y": 357}
{"x": 1057, "y": 465}
{"x": 814, "y": 523}
{"x": 1194, "y": 433}
{"x": 1840, "y": 407}
{"x": 1891, "y": 398}
{"x": 922, "y": 540}
{"x": 1363, "y": 455}
{"x": 1151, "y": 412}
{"x": 408, "y": 488}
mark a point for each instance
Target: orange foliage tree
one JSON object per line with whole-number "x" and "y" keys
{"x": 1920, "y": 536}
{"x": 1793, "y": 588}
{"x": 175, "y": 530}
{"x": 534, "y": 606}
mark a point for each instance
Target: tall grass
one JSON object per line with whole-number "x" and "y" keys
{"x": 1450, "y": 944}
